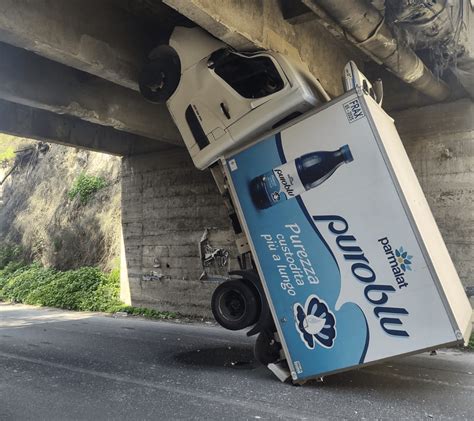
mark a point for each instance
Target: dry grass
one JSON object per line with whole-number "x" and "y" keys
{"x": 55, "y": 230}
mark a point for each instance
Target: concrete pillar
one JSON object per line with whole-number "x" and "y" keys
{"x": 166, "y": 206}
{"x": 439, "y": 140}
{"x": 124, "y": 281}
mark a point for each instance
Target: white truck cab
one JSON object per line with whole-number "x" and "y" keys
{"x": 219, "y": 98}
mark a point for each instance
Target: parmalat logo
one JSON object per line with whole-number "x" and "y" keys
{"x": 404, "y": 260}
{"x": 399, "y": 259}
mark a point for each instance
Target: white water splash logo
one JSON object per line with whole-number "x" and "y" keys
{"x": 315, "y": 323}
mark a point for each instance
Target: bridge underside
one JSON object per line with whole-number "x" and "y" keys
{"x": 81, "y": 59}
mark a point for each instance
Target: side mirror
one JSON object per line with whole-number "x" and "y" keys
{"x": 353, "y": 78}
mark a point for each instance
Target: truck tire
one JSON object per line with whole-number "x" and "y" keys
{"x": 266, "y": 350}
{"x": 161, "y": 75}
{"x": 235, "y": 305}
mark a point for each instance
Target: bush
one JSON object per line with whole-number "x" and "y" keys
{"x": 86, "y": 289}
{"x": 6, "y": 274}
{"x": 85, "y": 186}
{"x": 82, "y": 289}
{"x": 23, "y": 281}
{"x": 9, "y": 253}
{"x": 106, "y": 296}
{"x": 7, "y": 155}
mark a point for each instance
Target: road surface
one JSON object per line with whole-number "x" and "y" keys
{"x": 60, "y": 365}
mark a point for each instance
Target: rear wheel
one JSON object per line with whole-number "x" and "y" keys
{"x": 266, "y": 350}
{"x": 161, "y": 75}
{"x": 235, "y": 305}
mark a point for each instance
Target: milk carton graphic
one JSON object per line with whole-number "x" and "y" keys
{"x": 295, "y": 177}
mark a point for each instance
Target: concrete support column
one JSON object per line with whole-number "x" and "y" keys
{"x": 166, "y": 206}
{"x": 439, "y": 140}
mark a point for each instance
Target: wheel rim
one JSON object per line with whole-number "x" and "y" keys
{"x": 155, "y": 86}
{"x": 232, "y": 305}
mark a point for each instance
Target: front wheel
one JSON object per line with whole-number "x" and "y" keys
{"x": 235, "y": 305}
{"x": 161, "y": 75}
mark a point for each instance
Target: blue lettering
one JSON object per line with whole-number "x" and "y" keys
{"x": 331, "y": 225}
{"x": 383, "y": 297}
{"x": 363, "y": 272}
{"x": 361, "y": 269}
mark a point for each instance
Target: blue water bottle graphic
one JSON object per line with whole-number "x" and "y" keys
{"x": 295, "y": 177}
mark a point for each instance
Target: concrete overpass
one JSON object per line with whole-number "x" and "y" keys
{"x": 69, "y": 70}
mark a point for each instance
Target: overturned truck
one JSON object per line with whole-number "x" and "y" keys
{"x": 342, "y": 263}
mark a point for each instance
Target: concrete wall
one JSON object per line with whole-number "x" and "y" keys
{"x": 166, "y": 206}
{"x": 439, "y": 140}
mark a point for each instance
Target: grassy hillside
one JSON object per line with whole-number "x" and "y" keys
{"x": 61, "y": 206}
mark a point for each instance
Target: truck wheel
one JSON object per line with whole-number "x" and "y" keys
{"x": 161, "y": 75}
{"x": 235, "y": 305}
{"x": 266, "y": 350}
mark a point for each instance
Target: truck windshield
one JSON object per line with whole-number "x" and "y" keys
{"x": 251, "y": 77}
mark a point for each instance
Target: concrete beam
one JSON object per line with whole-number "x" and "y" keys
{"x": 20, "y": 120}
{"x": 94, "y": 36}
{"x": 31, "y": 80}
{"x": 438, "y": 120}
{"x": 260, "y": 24}
{"x": 296, "y": 12}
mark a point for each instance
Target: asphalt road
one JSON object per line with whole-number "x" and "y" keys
{"x": 59, "y": 365}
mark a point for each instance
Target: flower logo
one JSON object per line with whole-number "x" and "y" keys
{"x": 403, "y": 259}
{"x": 315, "y": 323}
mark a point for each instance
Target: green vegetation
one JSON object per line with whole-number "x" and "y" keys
{"x": 8, "y": 145}
{"x": 81, "y": 289}
{"x": 7, "y": 155}
{"x": 57, "y": 244}
{"x": 86, "y": 289}
{"x": 85, "y": 186}
{"x": 10, "y": 253}
{"x": 470, "y": 345}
